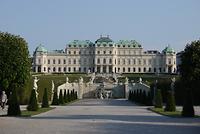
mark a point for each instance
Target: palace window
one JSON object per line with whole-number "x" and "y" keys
{"x": 104, "y": 61}
{"x": 144, "y": 61}
{"x": 154, "y": 70}
{"x": 74, "y": 52}
{"x": 129, "y": 70}
{"x": 110, "y": 52}
{"x": 69, "y": 69}
{"x": 54, "y": 61}
{"x": 59, "y": 61}
{"x": 98, "y": 52}
{"x": 64, "y": 61}
{"x": 149, "y": 61}
{"x": 74, "y": 61}
{"x": 124, "y": 69}
{"x": 104, "y": 52}
{"x": 133, "y": 61}
{"x": 98, "y": 61}
{"x": 129, "y": 61}
{"x": 139, "y": 69}
{"x": 74, "y": 69}
{"x": 49, "y": 61}
{"x": 149, "y": 69}
{"x": 110, "y": 61}
{"x": 69, "y": 61}
{"x": 64, "y": 69}
{"x": 169, "y": 61}
{"x": 69, "y": 52}
{"x": 59, "y": 69}
{"x": 144, "y": 69}
{"x": 118, "y": 61}
{"x": 54, "y": 69}
{"x": 139, "y": 62}
{"x": 124, "y": 61}
{"x": 134, "y": 69}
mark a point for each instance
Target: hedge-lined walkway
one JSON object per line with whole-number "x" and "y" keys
{"x": 100, "y": 117}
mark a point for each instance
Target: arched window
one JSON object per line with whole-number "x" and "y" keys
{"x": 49, "y": 61}
{"x": 59, "y": 69}
{"x": 134, "y": 69}
{"x": 49, "y": 69}
{"x": 64, "y": 69}
{"x": 144, "y": 69}
{"x": 98, "y": 60}
{"x": 59, "y": 61}
{"x": 74, "y": 61}
{"x": 64, "y": 61}
{"x": 139, "y": 69}
{"x": 104, "y": 61}
{"x": 54, "y": 61}
{"x": 54, "y": 69}
{"x": 124, "y": 69}
{"x": 110, "y": 61}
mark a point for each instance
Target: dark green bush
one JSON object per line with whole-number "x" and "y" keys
{"x": 13, "y": 105}
{"x": 33, "y": 103}
{"x": 45, "y": 101}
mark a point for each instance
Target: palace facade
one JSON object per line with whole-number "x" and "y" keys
{"x": 104, "y": 56}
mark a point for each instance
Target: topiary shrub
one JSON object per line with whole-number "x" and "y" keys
{"x": 61, "y": 99}
{"x": 170, "y": 102}
{"x": 55, "y": 99}
{"x": 45, "y": 101}
{"x": 188, "y": 109}
{"x": 65, "y": 96}
{"x": 33, "y": 104}
{"x": 13, "y": 105}
{"x": 158, "y": 99}
{"x": 68, "y": 96}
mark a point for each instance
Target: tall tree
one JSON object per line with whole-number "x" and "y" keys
{"x": 190, "y": 72}
{"x": 158, "y": 99}
{"x": 14, "y": 63}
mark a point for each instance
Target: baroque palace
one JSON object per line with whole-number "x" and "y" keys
{"x": 104, "y": 56}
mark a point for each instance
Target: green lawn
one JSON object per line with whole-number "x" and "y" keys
{"x": 26, "y": 113}
{"x": 162, "y": 112}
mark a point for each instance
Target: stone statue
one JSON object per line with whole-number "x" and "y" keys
{"x": 81, "y": 80}
{"x": 67, "y": 79}
{"x": 126, "y": 80}
{"x": 52, "y": 89}
{"x": 35, "y": 87}
{"x": 172, "y": 84}
{"x": 101, "y": 96}
{"x": 35, "y": 83}
{"x": 140, "y": 80}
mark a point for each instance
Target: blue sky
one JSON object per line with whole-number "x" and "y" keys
{"x": 54, "y": 23}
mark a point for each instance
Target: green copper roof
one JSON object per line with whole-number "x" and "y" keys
{"x": 80, "y": 43}
{"x": 168, "y": 49}
{"x": 103, "y": 39}
{"x": 129, "y": 43}
{"x": 40, "y": 48}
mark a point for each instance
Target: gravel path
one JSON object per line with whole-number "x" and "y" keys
{"x": 90, "y": 116}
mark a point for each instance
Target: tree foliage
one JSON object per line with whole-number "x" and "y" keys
{"x": 55, "y": 99}
{"x": 14, "y": 62}
{"x": 190, "y": 72}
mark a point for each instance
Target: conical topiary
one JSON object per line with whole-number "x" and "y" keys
{"x": 65, "y": 96}
{"x": 45, "y": 101}
{"x": 158, "y": 99}
{"x": 13, "y": 105}
{"x": 55, "y": 98}
{"x": 68, "y": 96}
{"x": 170, "y": 102}
{"x": 61, "y": 99}
{"x": 188, "y": 109}
{"x": 33, "y": 104}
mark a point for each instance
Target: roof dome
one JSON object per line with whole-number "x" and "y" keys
{"x": 104, "y": 39}
{"x": 168, "y": 49}
{"x": 40, "y": 48}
